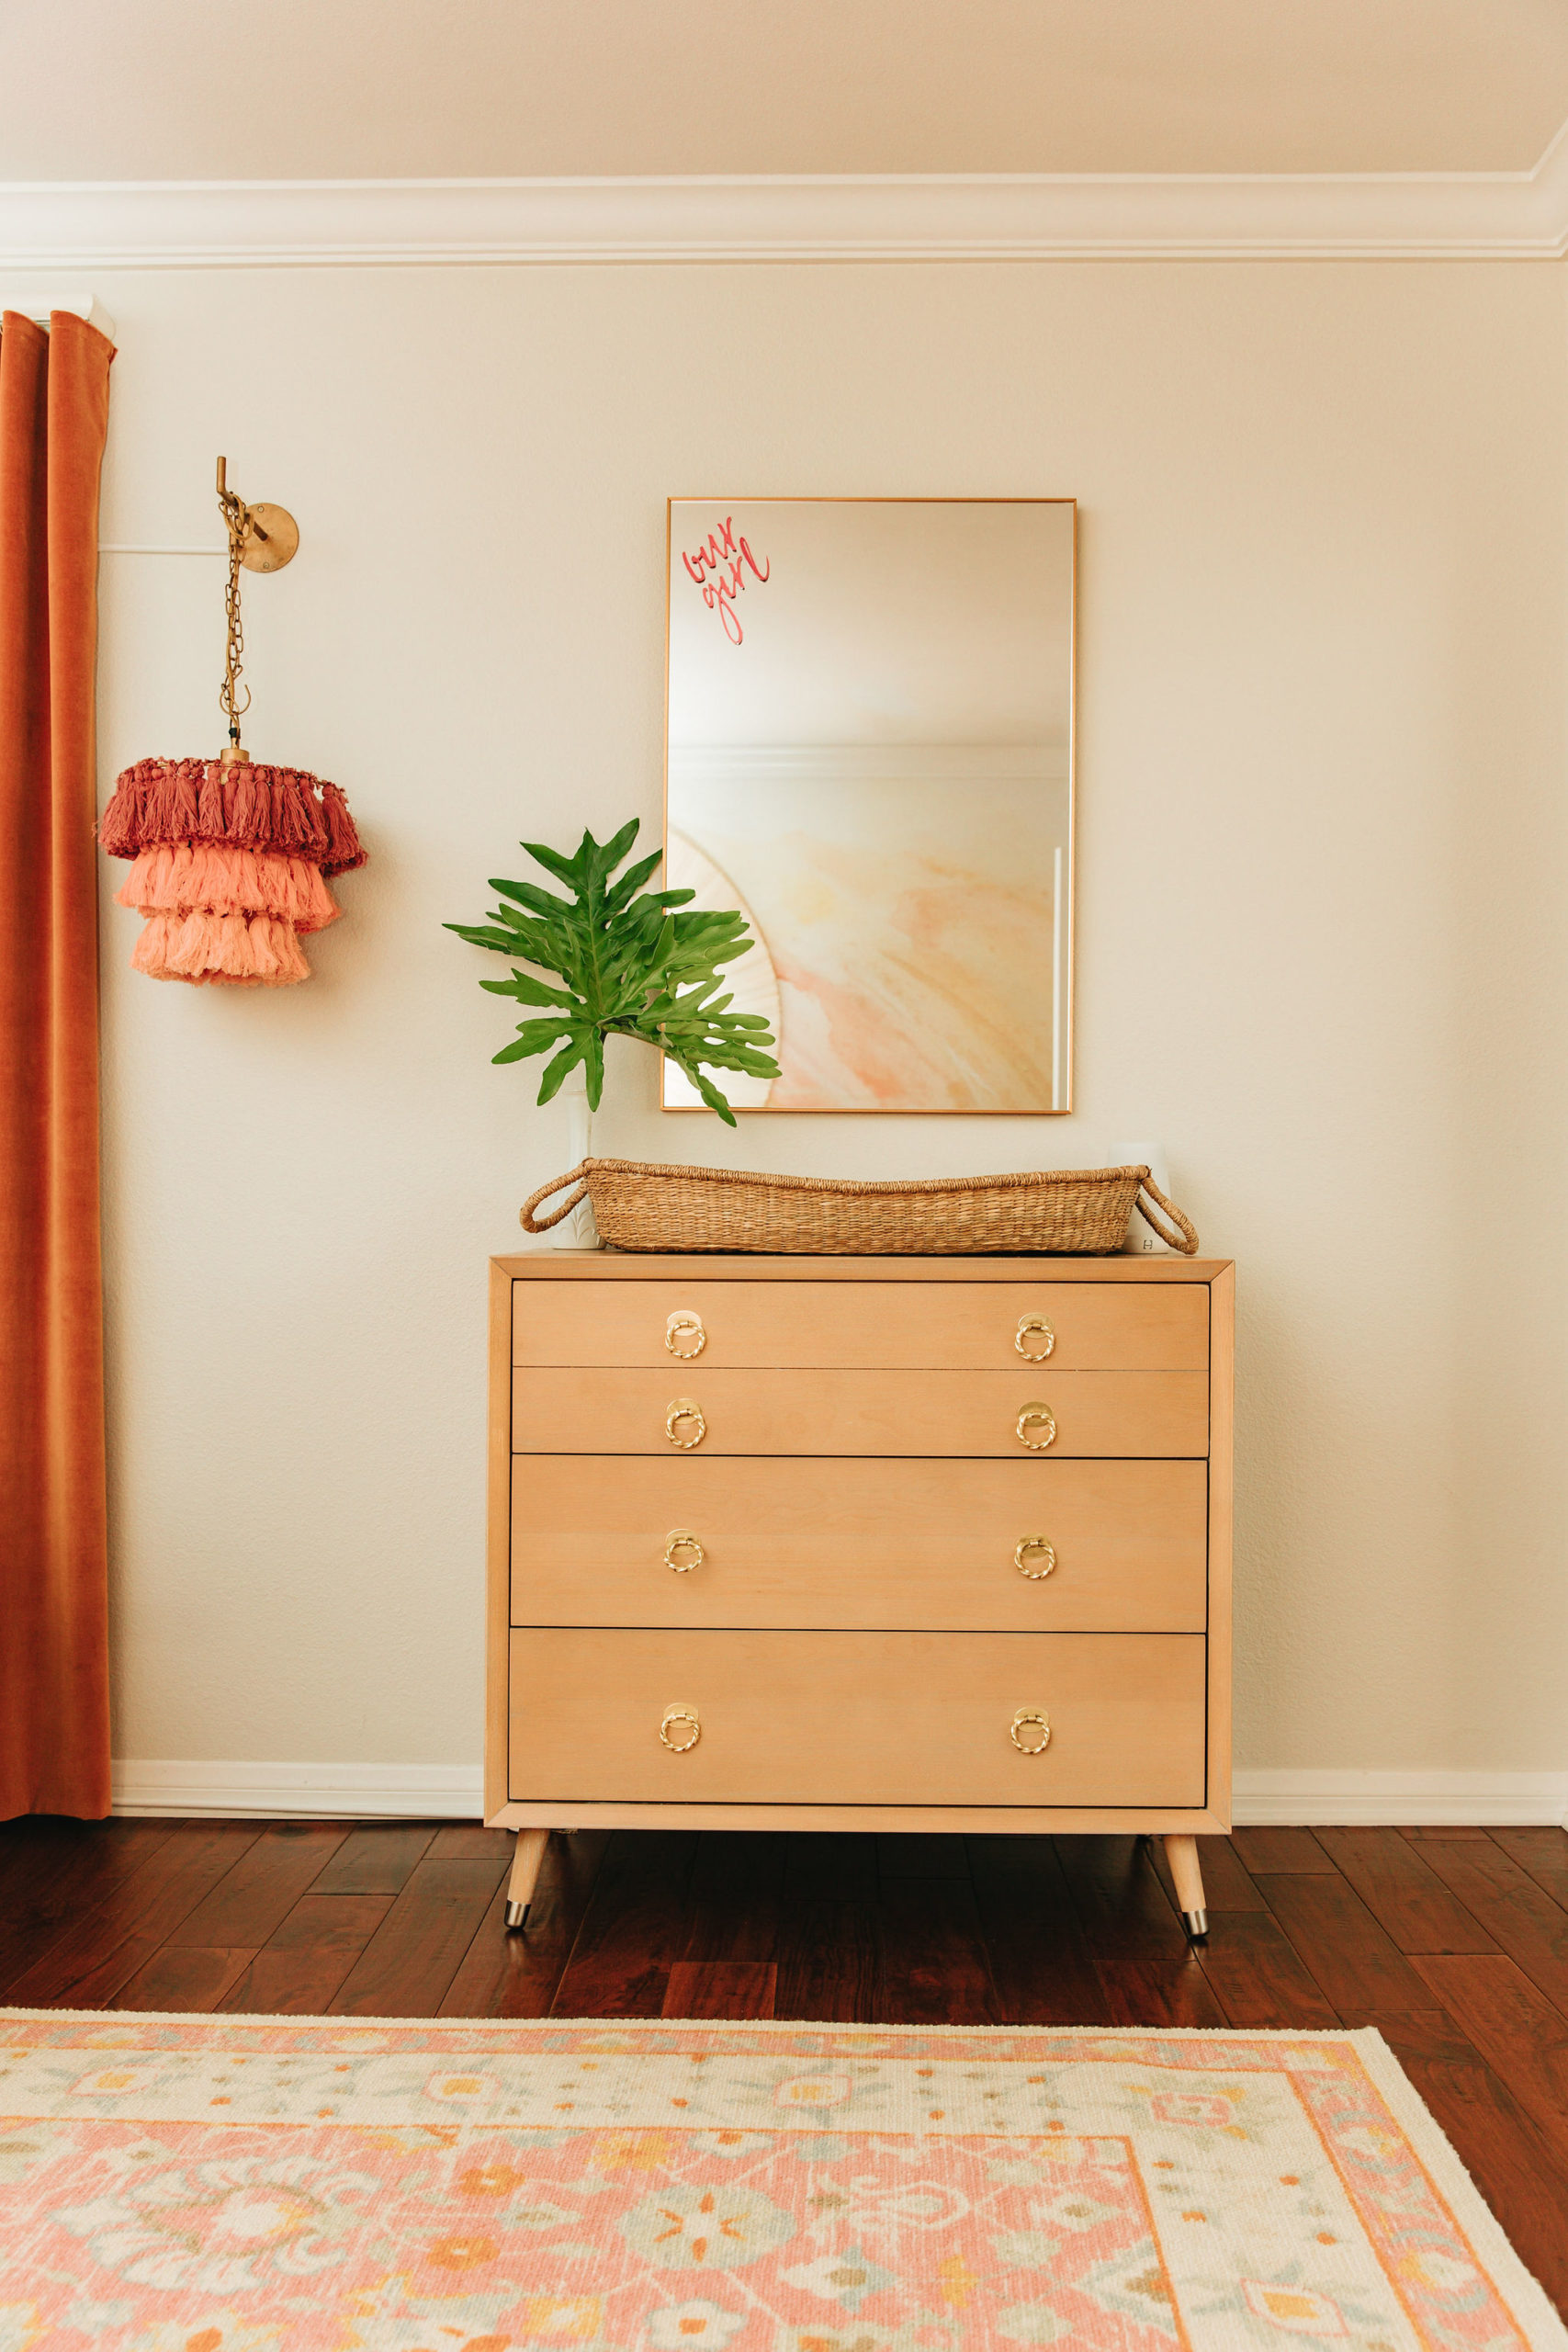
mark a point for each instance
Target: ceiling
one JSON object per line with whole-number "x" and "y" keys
{"x": 333, "y": 89}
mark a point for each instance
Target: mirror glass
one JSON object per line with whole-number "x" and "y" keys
{"x": 870, "y": 754}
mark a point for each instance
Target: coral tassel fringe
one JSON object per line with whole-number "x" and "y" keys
{"x": 192, "y": 875}
{"x": 245, "y": 951}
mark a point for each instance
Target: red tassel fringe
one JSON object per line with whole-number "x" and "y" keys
{"x": 161, "y": 802}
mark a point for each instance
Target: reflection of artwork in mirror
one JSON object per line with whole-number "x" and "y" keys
{"x": 871, "y": 753}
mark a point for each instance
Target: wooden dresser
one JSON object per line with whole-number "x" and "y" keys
{"x": 860, "y": 1542}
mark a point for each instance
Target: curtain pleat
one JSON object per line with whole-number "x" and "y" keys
{"x": 54, "y": 1742}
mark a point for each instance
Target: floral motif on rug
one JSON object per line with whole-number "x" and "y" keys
{"x": 293, "y": 2185}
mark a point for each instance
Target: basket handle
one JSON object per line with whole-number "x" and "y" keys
{"x": 532, "y": 1223}
{"x": 1148, "y": 1201}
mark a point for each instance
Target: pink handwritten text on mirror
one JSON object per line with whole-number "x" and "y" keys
{"x": 719, "y": 568}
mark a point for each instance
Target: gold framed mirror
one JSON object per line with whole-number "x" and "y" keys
{"x": 869, "y": 750}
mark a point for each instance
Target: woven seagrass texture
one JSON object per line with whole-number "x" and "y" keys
{"x": 1077, "y": 1212}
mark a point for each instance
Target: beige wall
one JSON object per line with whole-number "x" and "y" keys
{"x": 1320, "y": 935}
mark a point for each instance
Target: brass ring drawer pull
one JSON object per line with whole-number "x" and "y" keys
{"x": 682, "y": 1411}
{"x": 681, "y": 1539}
{"x": 1021, "y": 1561}
{"x": 680, "y": 1719}
{"x": 685, "y": 1325}
{"x": 1031, "y": 1719}
{"x": 1036, "y": 1428}
{"x": 1034, "y": 1326}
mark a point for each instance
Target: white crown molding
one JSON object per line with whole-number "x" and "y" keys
{"x": 59, "y": 226}
{"x": 455, "y": 1793}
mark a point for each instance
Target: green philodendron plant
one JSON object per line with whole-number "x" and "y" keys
{"x": 631, "y": 965}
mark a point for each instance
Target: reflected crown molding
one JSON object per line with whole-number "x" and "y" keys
{"x": 958, "y": 763}
{"x": 1001, "y": 217}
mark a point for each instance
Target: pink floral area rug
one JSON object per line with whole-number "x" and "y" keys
{"x": 297, "y": 2185}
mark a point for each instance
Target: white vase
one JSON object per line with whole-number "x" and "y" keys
{"x": 577, "y": 1230}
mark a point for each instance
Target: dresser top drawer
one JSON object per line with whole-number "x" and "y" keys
{"x": 870, "y": 1326}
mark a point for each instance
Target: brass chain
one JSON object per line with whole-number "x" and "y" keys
{"x": 237, "y": 515}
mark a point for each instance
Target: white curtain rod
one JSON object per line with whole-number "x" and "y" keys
{"x": 38, "y": 307}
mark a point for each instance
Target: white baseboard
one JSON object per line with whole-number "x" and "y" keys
{"x": 319, "y": 1792}
{"x": 1400, "y": 1799}
{"x": 455, "y": 1793}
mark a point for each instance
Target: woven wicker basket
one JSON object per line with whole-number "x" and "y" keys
{"x": 641, "y": 1204}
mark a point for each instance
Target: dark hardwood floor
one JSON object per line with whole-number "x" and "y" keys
{"x": 1452, "y": 1942}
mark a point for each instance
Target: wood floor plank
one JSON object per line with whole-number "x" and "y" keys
{"x": 407, "y": 1967}
{"x": 1394, "y": 1879}
{"x": 506, "y": 1974}
{"x": 1518, "y": 2172}
{"x": 103, "y": 1944}
{"x": 251, "y": 1902}
{"x": 826, "y": 1959}
{"x": 379, "y": 1858}
{"x": 931, "y": 1963}
{"x": 1227, "y": 1883}
{"x": 634, "y": 1930}
{"x": 1120, "y": 1905}
{"x": 1259, "y": 1977}
{"x": 308, "y": 1956}
{"x": 1523, "y": 1918}
{"x": 1270, "y": 1850}
{"x": 1358, "y": 1966}
{"x": 1522, "y": 2038}
{"x": 36, "y": 1848}
{"x": 1041, "y": 1964}
{"x": 1159, "y": 1991}
{"x": 823, "y": 1865}
{"x": 56, "y": 1878}
{"x": 720, "y": 1988}
{"x": 183, "y": 1977}
{"x": 468, "y": 1841}
{"x": 921, "y": 1854}
{"x": 1543, "y": 1853}
{"x": 735, "y": 1896}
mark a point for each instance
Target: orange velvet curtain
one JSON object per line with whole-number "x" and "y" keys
{"x": 54, "y": 1744}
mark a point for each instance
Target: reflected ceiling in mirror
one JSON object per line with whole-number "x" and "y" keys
{"x": 870, "y": 752}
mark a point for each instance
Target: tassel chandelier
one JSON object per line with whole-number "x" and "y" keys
{"x": 231, "y": 858}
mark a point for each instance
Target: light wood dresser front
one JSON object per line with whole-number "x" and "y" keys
{"x": 851, "y": 1543}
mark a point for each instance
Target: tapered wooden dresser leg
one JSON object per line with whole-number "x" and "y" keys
{"x": 525, "y": 1861}
{"x": 1181, "y": 1853}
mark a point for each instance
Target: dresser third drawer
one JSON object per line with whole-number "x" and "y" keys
{"x": 893, "y": 1718}
{"x": 1031, "y": 1411}
{"x": 984, "y": 1546}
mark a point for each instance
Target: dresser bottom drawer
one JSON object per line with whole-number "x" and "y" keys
{"x": 857, "y": 1718}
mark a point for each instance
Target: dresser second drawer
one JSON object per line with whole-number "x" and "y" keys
{"x": 738, "y": 1541}
{"x": 572, "y": 1410}
{"x": 893, "y": 1718}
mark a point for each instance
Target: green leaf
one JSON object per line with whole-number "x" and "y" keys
{"x": 571, "y": 1054}
{"x": 630, "y": 965}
